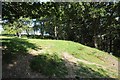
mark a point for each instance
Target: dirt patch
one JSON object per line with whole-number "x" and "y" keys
{"x": 36, "y": 52}
{"x": 20, "y": 68}
{"x": 74, "y": 60}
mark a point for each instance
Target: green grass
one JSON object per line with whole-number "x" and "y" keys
{"x": 15, "y": 46}
{"x": 78, "y": 50}
{"x": 86, "y": 70}
{"x": 49, "y": 65}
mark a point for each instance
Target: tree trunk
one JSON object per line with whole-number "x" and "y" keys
{"x": 18, "y": 34}
{"x": 42, "y": 30}
{"x": 27, "y": 32}
{"x": 82, "y": 39}
{"x": 110, "y": 43}
{"x": 95, "y": 24}
{"x": 34, "y": 33}
{"x": 55, "y": 32}
{"x": 95, "y": 42}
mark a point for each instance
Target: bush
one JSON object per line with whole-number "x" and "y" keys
{"x": 49, "y": 65}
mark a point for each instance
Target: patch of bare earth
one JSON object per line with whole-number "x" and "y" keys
{"x": 36, "y": 52}
{"x": 20, "y": 68}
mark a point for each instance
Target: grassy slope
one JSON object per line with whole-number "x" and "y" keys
{"x": 77, "y": 50}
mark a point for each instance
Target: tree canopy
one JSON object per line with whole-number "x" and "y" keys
{"x": 95, "y": 24}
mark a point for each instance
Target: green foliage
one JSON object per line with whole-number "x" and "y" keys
{"x": 91, "y": 24}
{"x": 49, "y": 65}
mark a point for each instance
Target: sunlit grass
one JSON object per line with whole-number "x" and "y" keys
{"x": 92, "y": 55}
{"x": 88, "y": 70}
{"x": 78, "y": 50}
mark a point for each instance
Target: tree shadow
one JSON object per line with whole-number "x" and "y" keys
{"x": 49, "y": 65}
{"x": 83, "y": 72}
{"x": 87, "y": 72}
{"x": 13, "y": 47}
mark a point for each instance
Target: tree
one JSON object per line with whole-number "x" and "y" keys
{"x": 92, "y": 24}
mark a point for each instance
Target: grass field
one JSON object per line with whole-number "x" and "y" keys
{"x": 72, "y": 59}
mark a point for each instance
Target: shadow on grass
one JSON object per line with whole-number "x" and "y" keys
{"x": 53, "y": 66}
{"x": 48, "y": 65}
{"x": 13, "y": 47}
{"x": 87, "y": 72}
